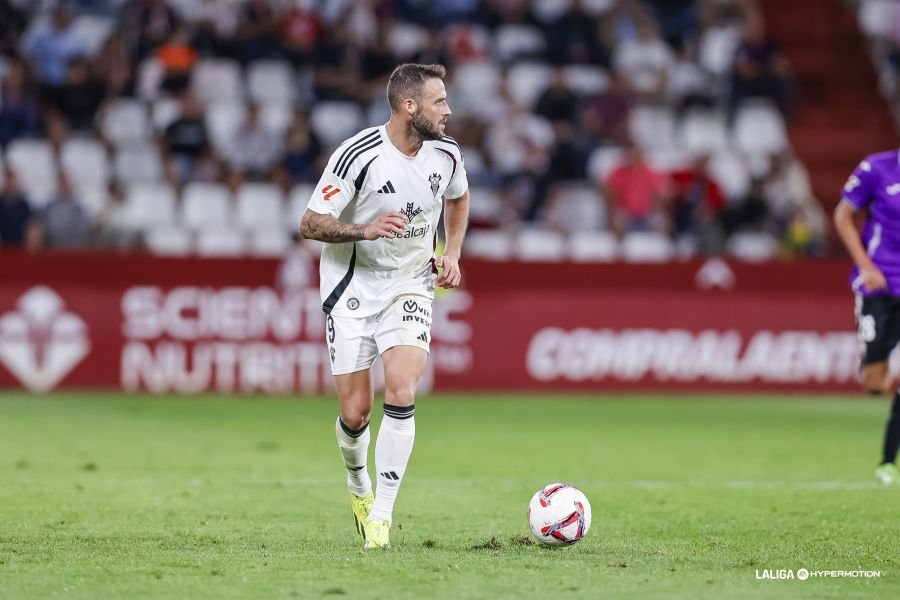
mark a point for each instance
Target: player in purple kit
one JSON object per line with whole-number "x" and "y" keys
{"x": 874, "y": 189}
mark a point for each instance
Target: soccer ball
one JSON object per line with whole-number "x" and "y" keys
{"x": 559, "y": 514}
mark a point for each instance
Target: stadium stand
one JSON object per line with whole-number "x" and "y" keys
{"x": 547, "y": 96}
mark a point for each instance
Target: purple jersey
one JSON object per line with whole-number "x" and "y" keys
{"x": 875, "y": 188}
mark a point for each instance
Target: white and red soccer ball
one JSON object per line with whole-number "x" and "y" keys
{"x": 559, "y": 515}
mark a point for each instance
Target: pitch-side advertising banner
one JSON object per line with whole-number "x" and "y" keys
{"x": 145, "y": 324}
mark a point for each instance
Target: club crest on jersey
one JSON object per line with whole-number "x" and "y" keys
{"x": 411, "y": 211}
{"x": 435, "y": 181}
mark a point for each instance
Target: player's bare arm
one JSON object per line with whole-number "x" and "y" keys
{"x": 456, "y": 220}
{"x": 872, "y": 278}
{"x": 325, "y": 228}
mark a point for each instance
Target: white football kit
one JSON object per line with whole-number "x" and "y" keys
{"x": 378, "y": 294}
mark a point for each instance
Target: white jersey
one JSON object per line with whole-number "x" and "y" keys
{"x": 366, "y": 177}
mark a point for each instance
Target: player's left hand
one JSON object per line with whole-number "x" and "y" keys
{"x": 450, "y": 275}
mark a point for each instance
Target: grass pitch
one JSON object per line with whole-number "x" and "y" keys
{"x": 105, "y": 496}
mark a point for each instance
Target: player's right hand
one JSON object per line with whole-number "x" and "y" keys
{"x": 872, "y": 278}
{"x": 386, "y": 226}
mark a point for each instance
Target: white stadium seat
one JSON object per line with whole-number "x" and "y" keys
{"x": 752, "y": 247}
{"x": 273, "y": 241}
{"x": 91, "y": 196}
{"x": 652, "y": 127}
{"x": 759, "y": 129}
{"x": 138, "y": 163}
{"x": 276, "y": 117}
{"x": 91, "y": 31}
{"x": 703, "y": 132}
{"x": 527, "y": 81}
{"x": 602, "y": 161}
{"x": 477, "y": 80}
{"x": 222, "y": 121}
{"x": 540, "y": 245}
{"x": 878, "y": 18}
{"x": 220, "y": 241}
{"x": 577, "y": 208}
{"x": 164, "y": 112}
{"x": 205, "y": 204}
{"x": 490, "y": 244}
{"x": 299, "y": 198}
{"x": 485, "y": 205}
{"x": 84, "y": 161}
{"x": 586, "y": 79}
{"x": 730, "y": 171}
{"x": 168, "y": 240}
{"x": 271, "y": 81}
{"x": 406, "y": 39}
{"x": 518, "y": 41}
{"x": 334, "y": 122}
{"x": 126, "y": 122}
{"x": 259, "y": 205}
{"x": 647, "y": 247}
{"x": 717, "y": 48}
{"x": 150, "y": 204}
{"x": 218, "y": 80}
{"x": 35, "y": 164}
{"x": 593, "y": 246}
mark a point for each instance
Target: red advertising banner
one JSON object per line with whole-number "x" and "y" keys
{"x": 140, "y": 323}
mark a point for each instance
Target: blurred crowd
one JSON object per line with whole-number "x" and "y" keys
{"x": 661, "y": 117}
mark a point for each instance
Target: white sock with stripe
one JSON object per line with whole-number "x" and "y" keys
{"x": 392, "y": 450}
{"x": 354, "y": 445}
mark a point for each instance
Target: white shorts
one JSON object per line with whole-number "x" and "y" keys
{"x": 354, "y": 344}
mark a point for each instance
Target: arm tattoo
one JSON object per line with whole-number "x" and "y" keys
{"x": 326, "y": 228}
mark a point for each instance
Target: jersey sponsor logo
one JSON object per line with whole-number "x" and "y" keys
{"x": 410, "y": 306}
{"x": 329, "y": 191}
{"x": 353, "y": 303}
{"x": 852, "y": 183}
{"x": 893, "y": 189}
{"x": 411, "y": 211}
{"x": 41, "y": 342}
{"x": 435, "y": 181}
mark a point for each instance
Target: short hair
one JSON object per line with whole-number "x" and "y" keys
{"x": 407, "y": 80}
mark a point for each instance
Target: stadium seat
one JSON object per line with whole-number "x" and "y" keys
{"x": 593, "y": 246}
{"x": 576, "y": 208}
{"x": 91, "y": 31}
{"x": 168, "y": 240}
{"x": 259, "y": 205}
{"x": 490, "y": 244}
{"x": 526, "y": 81}
{"x": 138, "y": 163}
{"x": 299, "y": 198}
{"x": 272, "y": 241}
{"x": 752, "y": 247}
{"x": 163, "y": 112}
{"x": 150, "y": 205}
{"x": 717, "y": 48}
{"x": 477, "y": 80}
{"x": 652, "y": 127}
{"x": 544, "y": 245}
{"x": 602, "y": 161}
{"x": 406, "y": 39}
{"x": 84, "y": 161}
{"x": 730, "y": 171}
{"x": 35, "y": 164}
{"x": 277, "y": 116}
{"x": 334, "y": 122}
{"x": 484, "y": 205}
{"x": 586, "y": 80}
{"x": 125, "y": 121}
{"x": 759, "y": 129}
{"x": 218, "y": 80}
{"x": 222, "y": 120}
{"x": 703, "y": 132}
{"x": 91, "y": 196}
{"x": 271, "y": 81}
{"x": 220, "y": 241}
{"x": 878, "y": 18}
{"x": 205, "y": 204}
{"x": 645, "y": 246}
{"x": 379, "y": 111}
{"x": 516, "y": 41}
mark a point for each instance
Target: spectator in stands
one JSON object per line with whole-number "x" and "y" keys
{"x": 636, "y": 195}
{"x": 576, "y": 38}
{"x": 113, "y": 65}
{"x": 750, "y": 213}
{"x": 74, "y": 105}
{"x": 605, "y": 116}
{"x": 303, "y": 152}
{"x": 63, "y": 223}
{"x": 50, "y": 49}
{"x": 254, "y": 151}
{"x": 185, "y": 142}
{"x": 566, "y": 162}
{"x": 797, "y": 218}
{"x": 12, "y": 24}
{"x": 19, "y": 115}
{"x": 678, "y": 19}
{"x": 213, "y": 23}
{"x": 689, "y": 85}
{"x": 557, "y": 102}
{"x": 432, "y": 51}
{"x": 759, "y": 69}
{"x": 112, "y": 228}
{"x": 337, "y": 69}
{"x": 300, "y": 30}
{"x": 697, "y": 203}
{"x": 177, "y": 59}
{"x": 376, "y": 60}
{"x": 15, "y": 212}
{"x": 146, "y": 25}
{"x": 645, "y": 61}
{"x": 256, "y": 36}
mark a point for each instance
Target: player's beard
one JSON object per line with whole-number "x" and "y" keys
{"x": 424, "y": 129}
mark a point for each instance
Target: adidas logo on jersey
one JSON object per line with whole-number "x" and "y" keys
{"x": 387, "y": 188}
{"x": 423, "y": 337}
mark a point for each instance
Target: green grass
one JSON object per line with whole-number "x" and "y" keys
{"x": 143, "y": 497}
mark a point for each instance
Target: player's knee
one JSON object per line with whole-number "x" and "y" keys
{"x": 355, "y": 419}
{"x": 400, "y": 393}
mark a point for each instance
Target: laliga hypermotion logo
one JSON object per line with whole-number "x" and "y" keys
{"x": 40, "y": 343}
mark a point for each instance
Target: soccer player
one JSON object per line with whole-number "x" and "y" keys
{"x": 872, "y": 189}
{"x": 376, "y": 208}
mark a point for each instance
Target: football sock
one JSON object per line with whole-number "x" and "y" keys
{"x": 392, "y": 450}
{"x": 892, "y": 431}
{"x": 354, "y": 445}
